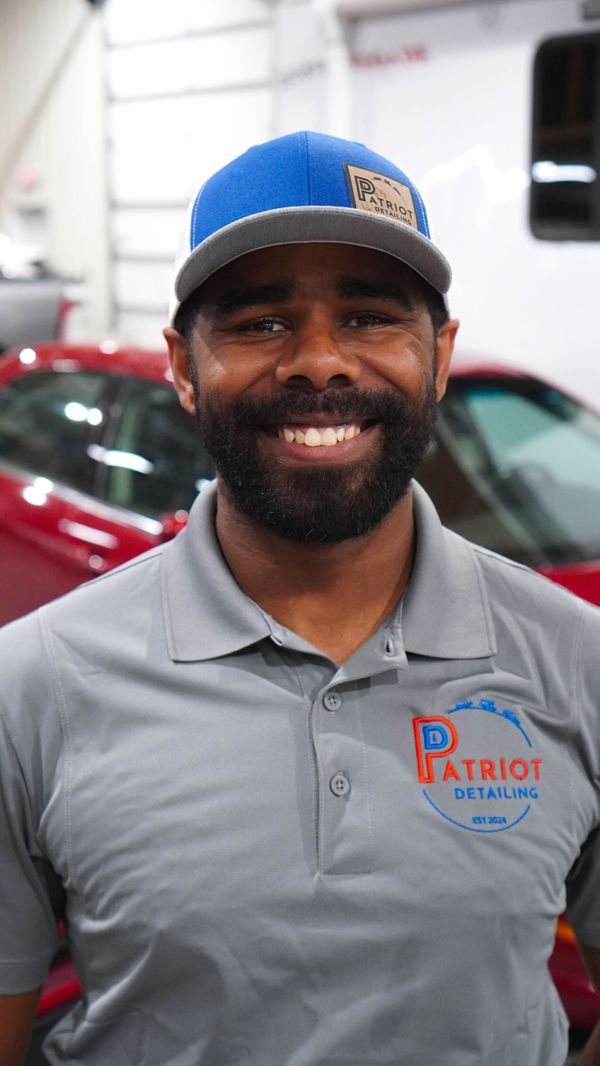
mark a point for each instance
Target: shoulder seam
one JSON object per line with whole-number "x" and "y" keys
{"x": 535, "y": 575}
{"x": 129, "y": 564}
{"x": 503, "y": 559}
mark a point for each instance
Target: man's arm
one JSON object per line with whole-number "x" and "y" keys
{"x": 590, "y": 1056}
{"x": 17, "y": 1015}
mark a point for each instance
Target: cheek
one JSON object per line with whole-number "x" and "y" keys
{"x": 214, "y": 382}
{"x": 228, "y": 372}
{"x": 410, "y": 369}
{"x": 219, "y": 390}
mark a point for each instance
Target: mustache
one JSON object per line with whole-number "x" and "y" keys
{"x": 344, "y": 404}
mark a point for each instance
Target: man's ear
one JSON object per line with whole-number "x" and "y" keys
{"x": 444, "y": 348}
{"x": 180, "y": 368}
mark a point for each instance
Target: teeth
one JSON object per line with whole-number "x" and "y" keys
{"x": 314, "y": 437}
{"x": 329, "y": 437}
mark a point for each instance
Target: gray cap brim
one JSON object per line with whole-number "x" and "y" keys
{"x": 308, "y": 225}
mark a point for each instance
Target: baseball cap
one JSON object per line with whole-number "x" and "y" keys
{"x": 302, "y": 188}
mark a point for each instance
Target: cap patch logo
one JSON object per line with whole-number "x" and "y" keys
{"x": 371, "y": 191}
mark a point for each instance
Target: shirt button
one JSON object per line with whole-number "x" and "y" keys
{"x": 332, "y": 701}
{"x": 339, "y": 785}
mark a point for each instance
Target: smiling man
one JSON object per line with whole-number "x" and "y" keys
{"x": 314, "y": 780}
{"x": 360, "y": 413}
{"x": 319, "y": 378}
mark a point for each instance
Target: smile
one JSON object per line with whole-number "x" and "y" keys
{"x": 319, "y": 436}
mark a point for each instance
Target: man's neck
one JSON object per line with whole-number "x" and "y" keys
{"x": 333, "y": 595}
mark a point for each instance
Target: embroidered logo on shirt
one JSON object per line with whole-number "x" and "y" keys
{"x": 478, "y": 766}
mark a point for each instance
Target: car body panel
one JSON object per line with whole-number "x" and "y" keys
{"x": 581, "y": 578}
{"x": 53, "y": 537}
{"x": 575, "y": 987}
{"x": 51, "y": 541}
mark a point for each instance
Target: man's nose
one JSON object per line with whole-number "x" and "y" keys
{"x": 317, "y": 359}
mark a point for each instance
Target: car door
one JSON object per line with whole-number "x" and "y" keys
{"x": 47, "y": 420}
{"x": 515, "y": 466}
{"x": 94, "y": 469}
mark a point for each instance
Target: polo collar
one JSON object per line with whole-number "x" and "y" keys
{"x": 444, "y": 612}
{"x": 206, "y": 613}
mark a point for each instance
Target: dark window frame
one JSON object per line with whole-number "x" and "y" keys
{"x": 556, "y": 230}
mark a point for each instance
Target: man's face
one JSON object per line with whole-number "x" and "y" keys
{"x": 318, "y": 386}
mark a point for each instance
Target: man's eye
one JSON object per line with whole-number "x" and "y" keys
{"x": 367, "y": 320}
{"x": 265, "y": 325}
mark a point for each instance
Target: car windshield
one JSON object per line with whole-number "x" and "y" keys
{"x": 516, "y": 467}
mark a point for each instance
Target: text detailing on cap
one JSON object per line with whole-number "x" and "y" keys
{"x": 373, "y": 192}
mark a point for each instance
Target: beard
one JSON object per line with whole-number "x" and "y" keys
{"x": 328, "y": 504}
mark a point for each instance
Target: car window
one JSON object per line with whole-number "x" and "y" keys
{"x": 519, "y": 465}
{"x": 155, "y": 463}
{"x": 47, "y": 420}
{"x": 465, "y": 507}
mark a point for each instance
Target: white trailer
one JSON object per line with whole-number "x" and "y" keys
{"x": 447, "y": 90}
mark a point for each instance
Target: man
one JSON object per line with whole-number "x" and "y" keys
{"x": 313, "y": 777}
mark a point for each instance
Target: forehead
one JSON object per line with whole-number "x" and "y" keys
{"x": 309, "y": 266}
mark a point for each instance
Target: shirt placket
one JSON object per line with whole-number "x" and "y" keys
{"x": 344, "y": 823}
{"x": 344, "y": 832}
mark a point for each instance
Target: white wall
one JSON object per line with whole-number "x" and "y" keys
{"x": 111, "y": 119}
{"x": 52, "y": 145}
{"x": 190, "y": 86}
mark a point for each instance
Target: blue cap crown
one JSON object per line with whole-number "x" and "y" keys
{"x": 306, "y": 187}
{"x": 300, "y": 169}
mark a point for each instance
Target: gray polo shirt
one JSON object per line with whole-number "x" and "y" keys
{"x": 270, "y": 861}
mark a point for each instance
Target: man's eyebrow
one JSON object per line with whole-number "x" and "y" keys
{"x": 252, "y": 296}
{"x": 363, "y": 288}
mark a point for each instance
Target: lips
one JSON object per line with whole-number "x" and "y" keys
{"x": 319, "y": 436}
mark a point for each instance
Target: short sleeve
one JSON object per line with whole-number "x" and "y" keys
{"x": 28, "y": 928}
{"x": 583, "y": 892}
{"x": 583, "y": 883}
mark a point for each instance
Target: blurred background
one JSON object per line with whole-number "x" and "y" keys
{"x": 115, "y": 112}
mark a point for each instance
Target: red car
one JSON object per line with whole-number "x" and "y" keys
{"x": 98, "y": 462}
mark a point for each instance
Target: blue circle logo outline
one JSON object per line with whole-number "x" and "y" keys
{"x": 490, "y": 707}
